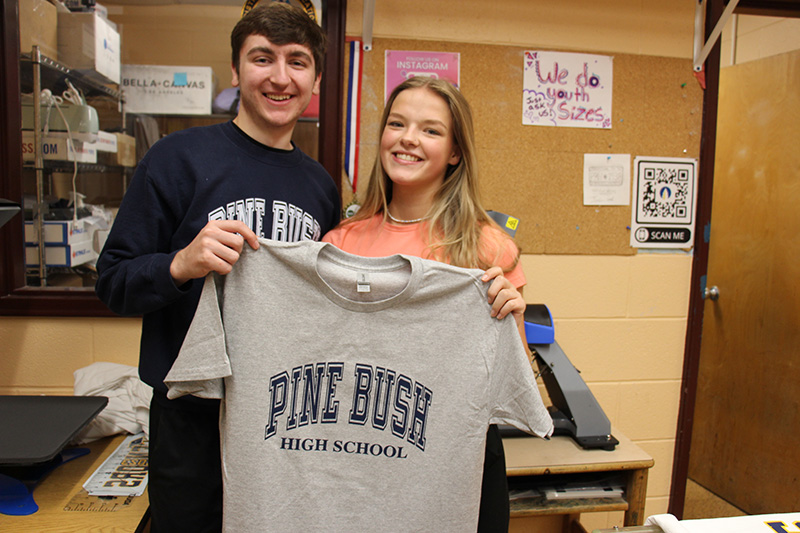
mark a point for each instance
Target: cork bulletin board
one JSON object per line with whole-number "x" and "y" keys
{"x": 535, "y": 173}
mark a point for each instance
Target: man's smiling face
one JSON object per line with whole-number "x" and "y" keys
{"x": 275, "y": 83}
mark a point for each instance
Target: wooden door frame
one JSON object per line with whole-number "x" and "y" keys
{"x": 705, "y": 190}
{"x": 331, "y": 119}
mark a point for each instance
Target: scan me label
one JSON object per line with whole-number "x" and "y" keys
{"x": 662, "y": 235}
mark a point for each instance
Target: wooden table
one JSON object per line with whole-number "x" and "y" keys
{"x": 561, "y": 456}
{"x": 63, "y": 487}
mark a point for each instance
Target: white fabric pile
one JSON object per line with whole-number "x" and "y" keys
{"x": 667, "y": 522}
{"x": 128, "y": 408}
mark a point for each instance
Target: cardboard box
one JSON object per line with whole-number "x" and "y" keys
{"x": 126, "y": 150}
{"x": 106, "y": 142}
{"x": 109, "y": 112}
{"x": 89, "y": 43}
{"x": 99, "y": 240}
{"x": 125, "y": 156}
{"x": 59, "y": 232}
{"x": 38, "y": 25}
{"x": 159, "y": 90}
{"x": 55, "y": 147}
{"x": 62, "y": 256}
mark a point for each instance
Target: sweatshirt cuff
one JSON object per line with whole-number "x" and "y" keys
{"x": 163, "y": 279}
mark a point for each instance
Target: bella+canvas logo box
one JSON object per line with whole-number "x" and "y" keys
{"x": 165, "y": 90}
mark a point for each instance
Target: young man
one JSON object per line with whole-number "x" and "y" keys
{"x": 197, "y": 198}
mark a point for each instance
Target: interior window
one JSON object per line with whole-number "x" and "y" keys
{"x": 66, "y": 193}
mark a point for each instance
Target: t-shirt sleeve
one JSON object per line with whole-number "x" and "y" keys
{"x": 203, "y": 360}
{"x": 513, "y": 385}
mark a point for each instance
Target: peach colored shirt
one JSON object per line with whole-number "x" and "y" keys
{"x": 374, "y": 238}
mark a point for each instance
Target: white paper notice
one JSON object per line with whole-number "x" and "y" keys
{"x": 606, "y": 179}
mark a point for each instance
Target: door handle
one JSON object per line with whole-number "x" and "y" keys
{"x": 711, "y": 293}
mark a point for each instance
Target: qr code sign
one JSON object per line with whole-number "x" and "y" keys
{"x": 665, "y": 193}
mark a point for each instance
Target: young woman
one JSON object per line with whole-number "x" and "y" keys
{"x": 422, "y": 199}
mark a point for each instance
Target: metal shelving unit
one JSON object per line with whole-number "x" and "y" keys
{"x": 38, "y": 71}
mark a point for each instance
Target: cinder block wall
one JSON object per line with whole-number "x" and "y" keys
{"x": 621, "y": 320}
{"x": 38, "y": 355}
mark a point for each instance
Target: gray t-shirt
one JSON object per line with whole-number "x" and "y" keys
{"x": 357, "y": 392}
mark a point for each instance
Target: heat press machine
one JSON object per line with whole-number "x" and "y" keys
{"x": 574, "y": 409}
{"x": 34, "y": 434}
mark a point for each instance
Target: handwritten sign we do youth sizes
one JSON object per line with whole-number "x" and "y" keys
{"x": 567, "y": 89}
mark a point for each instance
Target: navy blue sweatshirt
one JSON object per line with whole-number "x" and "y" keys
{"x": 185, "y": 180}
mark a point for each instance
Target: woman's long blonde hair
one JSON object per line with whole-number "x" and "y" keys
{"x": 457, "y": 217}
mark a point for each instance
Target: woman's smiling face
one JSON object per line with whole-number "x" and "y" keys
{"x": 417, "y": 142}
